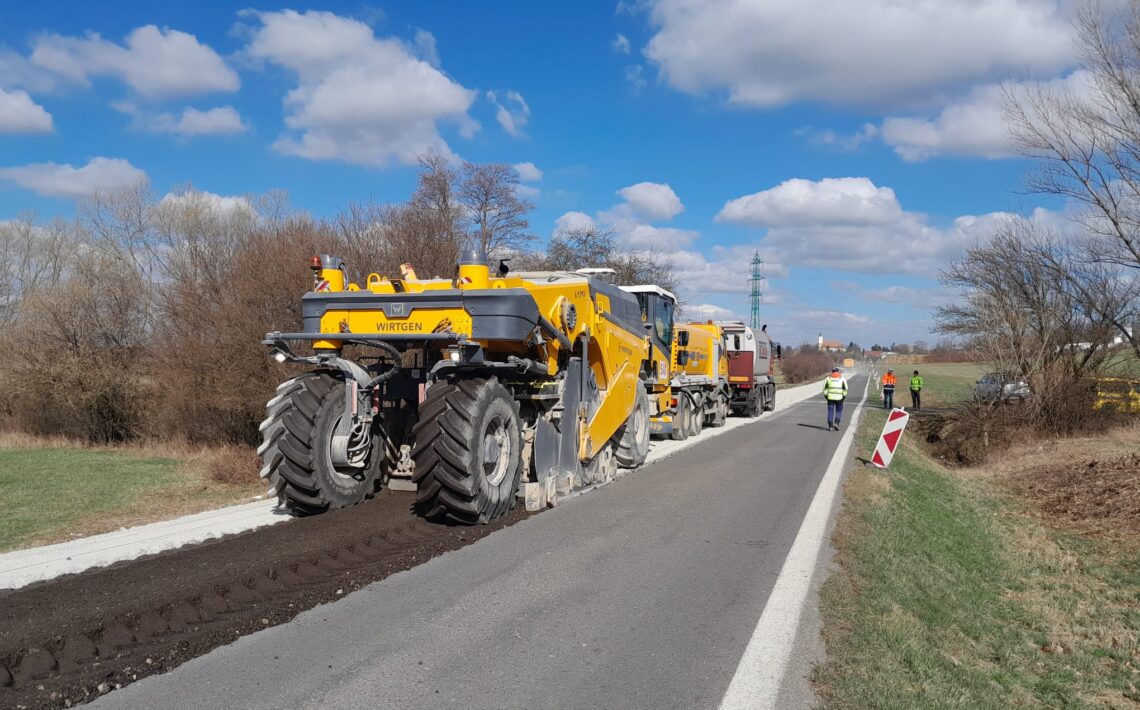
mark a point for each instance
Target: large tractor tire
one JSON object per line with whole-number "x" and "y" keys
{"x": 296, "y": 442}
{"x": 682, "y": 420}
{"x": 633, "y": 437}
{"x": 468, "y": 451}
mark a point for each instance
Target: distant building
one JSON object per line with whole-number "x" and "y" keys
{"x": 830, "y": 346}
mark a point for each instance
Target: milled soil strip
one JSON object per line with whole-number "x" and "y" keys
{"x": 68, "y": 640}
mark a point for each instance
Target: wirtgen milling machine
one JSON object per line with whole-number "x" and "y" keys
{"x": 475, "y": 389}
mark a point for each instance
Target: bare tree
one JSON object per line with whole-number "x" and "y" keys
{"x": 596, "y": 246}
{"x": 1086, "y": 142}
{"x": 498, "y": 215}
{"x": 1033, "y": 308}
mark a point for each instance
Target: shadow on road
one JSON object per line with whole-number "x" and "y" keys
{"x": 812, "y": 426}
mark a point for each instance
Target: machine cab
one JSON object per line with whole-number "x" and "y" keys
{"x": 658, "y": 308}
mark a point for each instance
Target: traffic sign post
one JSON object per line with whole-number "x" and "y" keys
{"x": 889, "y": 439}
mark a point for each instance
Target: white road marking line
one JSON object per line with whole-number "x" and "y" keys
{"x": 756, "y": 683}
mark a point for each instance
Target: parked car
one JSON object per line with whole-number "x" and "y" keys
{"x": 998, "y": 387}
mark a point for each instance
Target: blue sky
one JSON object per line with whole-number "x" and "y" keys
{"x": 857, "y": 146}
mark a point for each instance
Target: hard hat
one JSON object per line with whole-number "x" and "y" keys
{"x": 889, "y": 370}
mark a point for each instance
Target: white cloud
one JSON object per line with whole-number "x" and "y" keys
{"x": 512, "y": 114}
{"x": 876, "y": 52}
{"x": 620, "y": 44}
{"x": 850, "y": 224}
{"x": 528, "y": 172}
{"x": 708, "y": 311}
{"x": 224, "y": 120}
{"x": 832, "y": 201}
{"x": 154, "y": 62}
{"x": 359, "y": 98}
{"x": 528, "y": 191}
{"x": 202, "y": 200}
{"x": 55, "y": 180}
{"x": 831, "y": 317}
{"x": 19, "y": 114}
{"x": 974, "y": 125}
{"x": 635, "y": 75}
{"x": 426, "y": 48}
{"x": 839, "y": 142}
{"x": 574, "y": 221}
{"x": 652, "y": 200}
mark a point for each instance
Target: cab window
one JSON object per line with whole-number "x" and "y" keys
{"x": 663, "y": 320}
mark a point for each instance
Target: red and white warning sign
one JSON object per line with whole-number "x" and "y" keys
{"x": 889, "y": 439}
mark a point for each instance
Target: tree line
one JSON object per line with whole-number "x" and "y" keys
{"x": 141, "y": 317}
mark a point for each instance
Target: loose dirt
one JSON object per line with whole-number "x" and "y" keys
{"x": 71, "y": 639}
{"x": 1100, "y": 497}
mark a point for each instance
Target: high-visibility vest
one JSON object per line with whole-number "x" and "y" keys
{"x": 889, "y": 380}
{"x": 916, "y": 383}
{"x": 835, "y": 388}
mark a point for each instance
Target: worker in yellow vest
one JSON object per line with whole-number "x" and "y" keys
{"x": 834, "y": 391}
{"x": 916, "y": 391}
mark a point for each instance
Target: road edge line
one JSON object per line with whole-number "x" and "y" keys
{"x": 759, "y": 676}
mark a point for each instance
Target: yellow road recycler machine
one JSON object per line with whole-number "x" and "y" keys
{"x": 473, "y": 391}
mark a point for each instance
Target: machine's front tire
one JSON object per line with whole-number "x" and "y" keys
{"x": 295, "y": 449}
{"x": 633, "y": 437}
{"x": 468, "y": 451}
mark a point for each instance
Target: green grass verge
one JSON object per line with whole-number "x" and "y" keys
{"x": 53, "y": 494}
{"x": 951, "y": 596}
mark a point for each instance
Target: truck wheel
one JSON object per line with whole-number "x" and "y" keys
{"x": 755, "y": 400}
{"x": 296, "y": 442}
{"x": 770, "y": 398}
{"x": 468, "y": 451}
{"x": 633, "y": 437}
{"x": 720, "y": 411}
{"x": 681, "y": 424}
{"x": 696, "y": 419}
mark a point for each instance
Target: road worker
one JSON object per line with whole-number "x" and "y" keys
{"x": 834, "y": 391}
{"x": 916, "y": 391}
{"x": 889, "y": 382}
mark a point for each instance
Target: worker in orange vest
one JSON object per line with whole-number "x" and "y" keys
{"x": 889, "y": 382}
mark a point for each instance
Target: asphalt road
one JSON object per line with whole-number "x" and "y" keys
{"x": 642, "y": 595}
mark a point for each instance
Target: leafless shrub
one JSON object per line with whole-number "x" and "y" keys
{"x": 233, "y": 465}
{"x": 804, "y": 364}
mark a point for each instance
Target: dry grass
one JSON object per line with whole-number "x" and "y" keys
{"x": 955, "y": 590}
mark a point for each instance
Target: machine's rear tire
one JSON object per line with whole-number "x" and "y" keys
{"x": 633, "y": 437}
{"x": 770, "y": 399}
{"x": 295, "y": 448}
{"x": 468, "y": 451}
{"x": 681, "y": 420}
